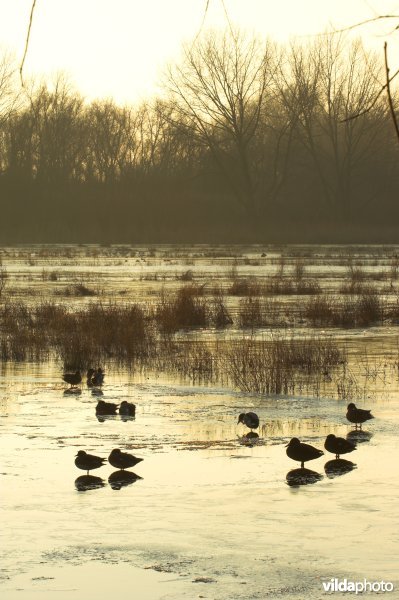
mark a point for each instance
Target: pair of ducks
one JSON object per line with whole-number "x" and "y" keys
{"x": 94, "y": 377}
{"x": 126, "y": 409}
{"x": 117, "y": 458}
{"x": 304, "y": 452}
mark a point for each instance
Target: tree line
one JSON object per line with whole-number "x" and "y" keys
{"x": 249, "y": 141}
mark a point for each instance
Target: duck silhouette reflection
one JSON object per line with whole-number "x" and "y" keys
{"x": 88, "y": 482}
{"x": 126, "y": 418}
{"x": 304, "y": 476}
{"x": 97, "y": 392}
{"x": 250, "y": 439}
{"x": 359, "y": 436}
{"x": 103, "y": 418}
{"x": 251, "y": 435}
{"x": 72, "y": 391}
{"x": 338, "y": 467}
{"x": 119, "y": 479}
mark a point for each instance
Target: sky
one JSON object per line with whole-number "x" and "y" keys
{"x": 119, "y": 48}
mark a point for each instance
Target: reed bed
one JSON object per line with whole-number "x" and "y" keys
{"x": 285, "y": 286}
{"x": 279, "y": 366}
{"x": 255, "y": 312}
{"x": 78, "y": 338}
{"x": 129, "y": 335}
{"x": 187, "y": 309}
{"x": 360, "y": 310}
{"x": 246, "y": 287}
{"x": 274, "y": 286}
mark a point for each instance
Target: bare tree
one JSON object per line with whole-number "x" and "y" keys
{"x": 112, "y": 144}
{"x": 322, "y": 85}
{"x": 8, "y": 88}
{"x": 220, "y": 90}
{"x": 58, "y": 133}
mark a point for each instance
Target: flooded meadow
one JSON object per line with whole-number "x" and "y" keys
{"x": 195, "y": 336}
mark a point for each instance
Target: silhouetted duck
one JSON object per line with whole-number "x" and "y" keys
{"x": 98, "y": 377}
{"x": 338, "y": 445}
{"x": 302, "y": 452}
{"x": 89, "y": 377}
{"x": 358, "y": 415}
{"x": 106, "y": 408}
{"x": 127, "y": 409}
{"x": 72, "y": 378}
{"x": 250, "y": 419}
{"x": 123, "y": 460}
{"x": 88, "y": 462}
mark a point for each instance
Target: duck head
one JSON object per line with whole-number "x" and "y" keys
{"x": 293, "y": 442}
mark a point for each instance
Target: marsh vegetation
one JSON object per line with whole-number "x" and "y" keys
{"x": 264, "y": 322}
{"x": 194, "y": 336}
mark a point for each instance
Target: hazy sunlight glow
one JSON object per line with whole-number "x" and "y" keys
{"x": 118, "y": 48}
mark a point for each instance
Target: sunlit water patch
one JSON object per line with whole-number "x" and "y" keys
{"x": 209, "y": 508}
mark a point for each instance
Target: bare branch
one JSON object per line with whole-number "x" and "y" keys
{"x": 370, "y": 106}
{"x": 203, "y": 21}
{"x": 365, "y": 22}
{"x": 27, "y": 42}
{"x": 388, "y": 86}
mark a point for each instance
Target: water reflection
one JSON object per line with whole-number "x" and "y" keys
{"x": 338, "y": 467}
{"x": 119, "y": 479}
{"x": 103, "y": 418}
{"x": 97, "y": 392}
{"x": 250, "y": 439}
{"x": 298, "y": 477}
{"x": 126, "y": 418}
{"x": 88, "y": 482}
{"x": 359, "y": 436}
{"x": 251, "y": 435}
{"x": 72, "y": 391}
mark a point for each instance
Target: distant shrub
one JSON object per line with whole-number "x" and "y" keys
{"x": 184, "y": 310}
{"x": 187, "y": 276}
{"x": 245, "y": 287}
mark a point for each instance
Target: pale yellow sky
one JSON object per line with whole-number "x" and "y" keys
{"x": 118, "y": 48}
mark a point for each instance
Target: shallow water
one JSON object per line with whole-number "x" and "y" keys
{"x": 211, "y": 514}
{"x": 210, "y": 505}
